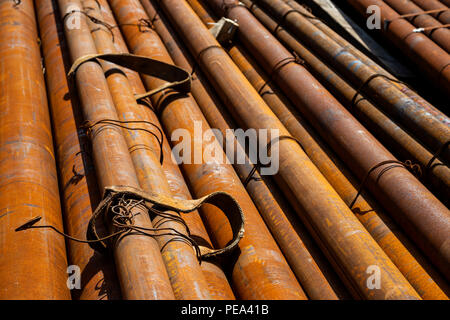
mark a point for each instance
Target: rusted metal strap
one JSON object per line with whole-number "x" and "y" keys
{"x": 117, "y": 206}
{"x": 177, "y": 78}
{"x": 221, "y": 200}
{"x": 412, "y": 15}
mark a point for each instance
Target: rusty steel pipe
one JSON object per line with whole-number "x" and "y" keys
{"x": 394, "y": 243}
{"x": 79, "y": 192}
{"x": 388, "y": 132}
{"x": 427, "y": 5}
{"x": 432, "y": 60}
{"x": 440, "y": 36}
{"x": 185, "y": 274}
{"x": 188, "y": 279}
{"x": 258, "y": 269}
{"x": 296, "y": 171}
{"x": 272, "y": 208}
{"x": 382, "y": 229}
{"x": 218, "y": 284}
{"x": 386, "y": 96}
{"x": 377, "y": 68}
{"x": 33, "y": 263}
{"x": 256, "y": 190}
{"x": 139, "y": 263}
{"x": 421, "y": 215}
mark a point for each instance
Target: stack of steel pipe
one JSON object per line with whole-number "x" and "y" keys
{"x": 428, "y": 50}
{"x": 103, "y": 154}
{"x": 373, "y": 219}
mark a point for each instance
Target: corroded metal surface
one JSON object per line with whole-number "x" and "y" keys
{"x": 184, "y": 270}
{"x": 258, "y": 270}
{"x": 397, "y": 140}
{"x": 424, "y": 218}
{"x": 139, "y": 263}
{"x": 272, "y": 207}
{"x": 440, "y": 35}
{"x": 444, "y": 17}
{"x": 218, "y": 284}
{"x": 77, "y": 177}
{"x": 33, "y": 263}
{"x": 393, "y": 102}
{"x": 433, "y": 61}
{"x": 377, "y": 68}
{"x": 323, "y": 208}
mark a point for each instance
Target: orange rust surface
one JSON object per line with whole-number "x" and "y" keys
{"x": 259, "y": 270}
{"x": 325, "y": 211}
{"x": 139, "y": 263}
{"x": 78, "y": 183}
{"x": 33, "y": 263}
{"x": 420, "y": 214}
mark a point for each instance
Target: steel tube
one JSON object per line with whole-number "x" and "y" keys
{"x": 187, "y": 276}
{"x": 179, "y": 257}
{"x": 433, "y": 61}
{"x": 218, "y": 284}
{"x": 273, "y": 209}
{"x": 139, "y": 263}
{"x": 79, "y": 192}
{"x": 382, "y": 229}
{"x": 421, "y": 215}
{"x": 386, "y": 96}
{"x": 344, "y": 43}
{"x": 443, "y": 17}
{"x": 409, "y": 261}
{"x": 33, "y": 263}
{"x": 258, "y": 269}
{"x": 440, "y": 36}
{"x": 387, "y": 131}
{"x": 296, "y": 170}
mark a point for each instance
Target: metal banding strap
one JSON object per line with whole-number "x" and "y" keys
{"x": 177, "y": 78}
{"x": 221, "y": 200}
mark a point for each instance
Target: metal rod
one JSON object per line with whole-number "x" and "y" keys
{"x": 218, "y": 284}
{"x": 139, "y": 263}
{"x": 273, "y": 209}
{"x": 421, "y": 215}
{"x": 33, "y": 263}
{"x": 366, "y": 60}
{"x": 397, "y": 140}
{"x": 380, "y": 226}
{"x": 443, "y": 17}
{"x": 258, "y": 255}
{"x": 80, "y": 194}
{"x": 433, "y": 61}
{"x": 440, "y": 36}
{"x": 296, "y": 172}
{"x": 389, "y": 98}
{"x": 188, "y": 280}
